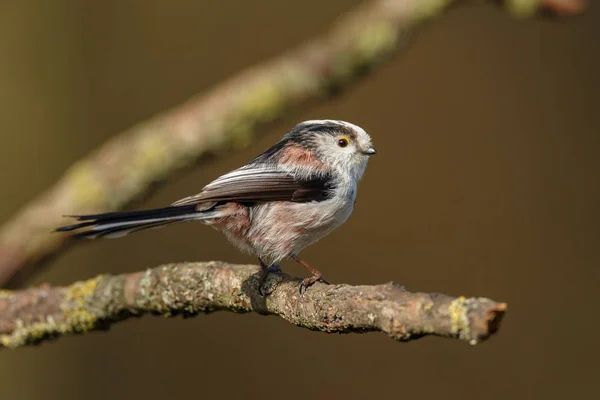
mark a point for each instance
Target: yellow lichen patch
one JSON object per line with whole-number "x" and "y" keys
{"x": 369, "y": 45}
{"x": 77, "y": 317}
{"x": 151, "y": 154}
{"x": 301, "y": 80}
{"x": 214, "y": 138}
{"x": 426, "y": 9}
{"x": 428, "y": 306}
{"x": 260, "y": 103}
{"x": 79, "y": 320}
{"x": 5, "y": 294}
{"x": 30, "y": 334}
{"x": 80, "y": 291}
{"x": 522, "y": 8}
{"x": 376, "y": 40}
{"x": 458, "y": 314}
{"x": 263, "y": 102}
{"x": 85, "y": 189}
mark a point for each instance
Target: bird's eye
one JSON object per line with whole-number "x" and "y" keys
{"x": 343, "y": 142}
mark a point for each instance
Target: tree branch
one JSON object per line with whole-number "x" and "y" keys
{"x": 218, "y": 121}
{"x": 37, "y": 314}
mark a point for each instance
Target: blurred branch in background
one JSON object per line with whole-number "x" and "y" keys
{"x": 220, "y": 120}
{"x": 33, "y": 315}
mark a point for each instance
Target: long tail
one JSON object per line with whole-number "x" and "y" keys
{"x": 117, "y": 224}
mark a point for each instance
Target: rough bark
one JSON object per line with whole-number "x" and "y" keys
{"x": 222, "y": 119}
{"x": 34, "y": 315}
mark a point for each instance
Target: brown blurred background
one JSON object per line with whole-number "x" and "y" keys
{"x": 486, "y": 184}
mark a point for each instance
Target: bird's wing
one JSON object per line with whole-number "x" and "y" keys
{"x": 262, "y": 183}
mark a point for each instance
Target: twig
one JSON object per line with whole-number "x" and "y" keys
{"x": 220, "y": 120}
{"x": 34, "y": 315}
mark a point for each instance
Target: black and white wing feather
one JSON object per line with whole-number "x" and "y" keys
{"x": 252, "y": 184}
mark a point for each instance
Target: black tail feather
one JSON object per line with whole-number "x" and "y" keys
{"x": 172, "y": 211}
{"x": 115, "y": 223}
{"x": 120, "y": 231}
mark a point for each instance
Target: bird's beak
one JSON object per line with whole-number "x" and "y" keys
{"x": 370, "y": 151}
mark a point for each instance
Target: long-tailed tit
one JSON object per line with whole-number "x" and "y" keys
{"x": 282, "y": 201}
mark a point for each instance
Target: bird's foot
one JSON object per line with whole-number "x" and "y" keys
{"x": 307, "y": 282}
{"x": 266, "y": 269}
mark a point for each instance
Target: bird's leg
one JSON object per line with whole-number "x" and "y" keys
{"x": 316, "y": 274}
{"x": 264, "y": 273}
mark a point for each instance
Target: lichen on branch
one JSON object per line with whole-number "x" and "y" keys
{"x": 34, "y": 315}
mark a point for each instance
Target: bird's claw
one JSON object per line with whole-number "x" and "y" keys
{"x": 308, "y": 282}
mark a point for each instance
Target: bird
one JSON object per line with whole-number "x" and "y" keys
{"x": 285, "y": 199}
